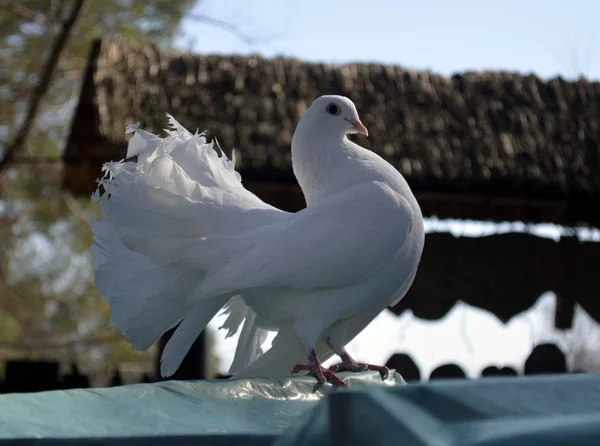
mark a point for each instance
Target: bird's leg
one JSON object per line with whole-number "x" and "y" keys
{"x": 350, "y": 365}
{"x": 321, "y": 373}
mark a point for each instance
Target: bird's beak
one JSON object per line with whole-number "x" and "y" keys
{"x": 359, "y": 127}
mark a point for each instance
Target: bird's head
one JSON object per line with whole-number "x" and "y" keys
{"x": 335, "y": 114}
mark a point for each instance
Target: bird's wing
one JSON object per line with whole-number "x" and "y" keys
{"x": 337, "y": 242}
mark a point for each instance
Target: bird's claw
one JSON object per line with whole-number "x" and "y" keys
{"x": 360, "y": 367}
{"x": 322, "y": 374}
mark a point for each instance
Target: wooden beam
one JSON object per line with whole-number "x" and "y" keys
{"x": 288, "y": 196}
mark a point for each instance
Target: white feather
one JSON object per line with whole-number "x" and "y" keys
{"x": 285, "y": 352}
{"x": 250, "y": 342}
{"x": 236, "y": 311}
{"x": 181, "y": 196}
{"x": 181, "y": 238}
{"x": 326, "y": 273}
{"x": 186, "y": 334}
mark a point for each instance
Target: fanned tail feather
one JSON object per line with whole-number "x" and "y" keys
{"x": 182, "y": 203}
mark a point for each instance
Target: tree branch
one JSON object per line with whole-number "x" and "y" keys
{"x": 24, "y": 12}
{"x": 217, "y": 23}
{"x": 39, "y": 92}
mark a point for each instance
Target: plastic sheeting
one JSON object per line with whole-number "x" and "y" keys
{"x": 245, "y": 411}
{"x": 547, "y": 410}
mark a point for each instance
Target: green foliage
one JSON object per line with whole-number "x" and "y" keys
{"x": 49, "y": 307}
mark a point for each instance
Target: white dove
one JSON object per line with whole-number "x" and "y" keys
{"x": 181, "y": 239}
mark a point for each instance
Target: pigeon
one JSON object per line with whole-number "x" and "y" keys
{"x": 181, "y": 240}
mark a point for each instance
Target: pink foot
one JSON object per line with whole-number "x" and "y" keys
{"x": 322, "y": 374}
{"x": 350, "y": 365}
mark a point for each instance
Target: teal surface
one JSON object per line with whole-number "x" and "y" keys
{"x": 533, "y": 411}
{"x": 253, "y": 410}
{"x": 548, "y": 410}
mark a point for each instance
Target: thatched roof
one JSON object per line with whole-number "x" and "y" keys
{"x": 481, "y": 145}
{"x": 486, "y": 145}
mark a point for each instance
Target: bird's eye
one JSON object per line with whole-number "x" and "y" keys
{"x": 333, "y": 109}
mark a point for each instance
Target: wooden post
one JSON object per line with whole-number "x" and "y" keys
{"x": 564, "y": 312}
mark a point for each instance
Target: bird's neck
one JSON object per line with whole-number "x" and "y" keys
{"x": 326, "y": 165}
{"x": 320, "y": 163}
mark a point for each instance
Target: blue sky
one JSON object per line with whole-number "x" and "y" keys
{"x": 544, "y": 37}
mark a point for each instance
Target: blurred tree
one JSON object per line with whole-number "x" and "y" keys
{"x": 49, "y": 307}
